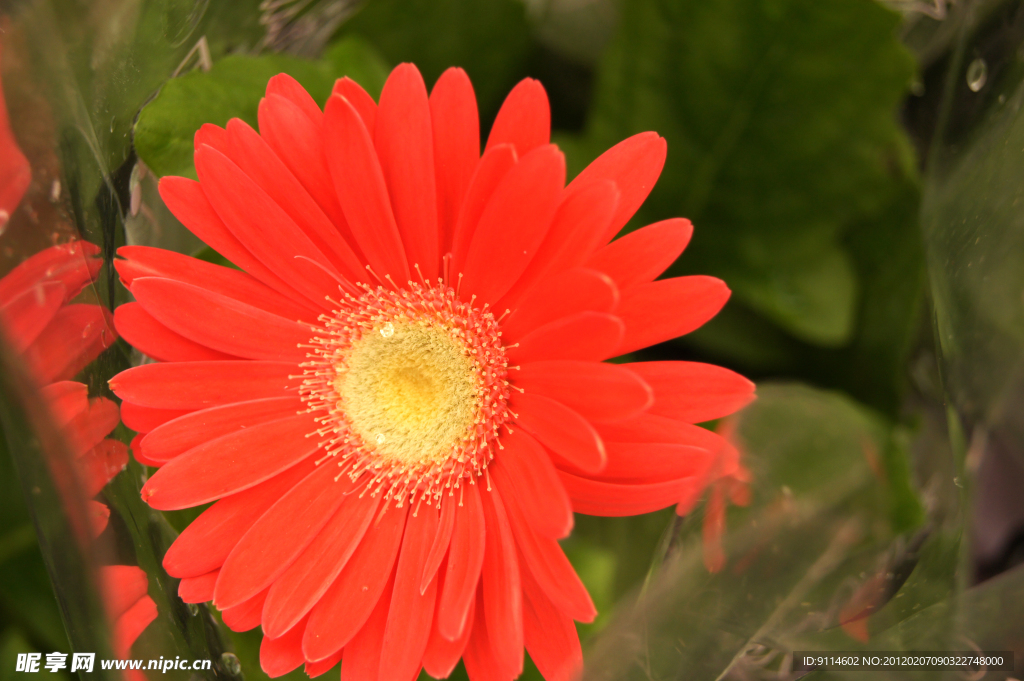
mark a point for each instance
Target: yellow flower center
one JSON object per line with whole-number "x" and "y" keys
{"x": 410, "y": 387}
{"x": 410, "y": 392}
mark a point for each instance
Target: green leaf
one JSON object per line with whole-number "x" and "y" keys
{"x": 782, "y": 137}
{"x": 490, "y": 40}
{"x": 232, "y": 89}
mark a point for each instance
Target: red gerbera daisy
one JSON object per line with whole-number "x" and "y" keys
{"x": 400, "y": 401}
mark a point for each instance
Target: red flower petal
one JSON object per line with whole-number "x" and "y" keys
{"x": 583, "y": 336}
{"x": 561, "y": 295}
{"x": 465, "y": 560}
{"x": 245, "y": 616}
{"x": 349, "y": 601}
{"x": 101, "y": 464}
{"x": 280, "y": 535}
{"x": 315, "y": 669}
{"x": 362, "y": 657}
{"x": 360, "y": 186}
{"x": 442, "y": 655}
{"x": 231, "y": 463}
{"x": 99, "y": 517}
{"x": 28, "y": 313}
{"x": 524, "y": 119}
{"x": 360, "y": 99}
{"x": 480, "y": 657}
{"x": 561, "y": 430}
{"x": 456, "y": 130}
{"x": 494, "y": 165}
{"x": 412, "y": 610}
{"x": 596, "y": 391}
{"x": 513, "y": 224}
{"x": 211, "y": 135}
{"x": 131, "y": 624}
{"x": 641, "y": 256}
{"x": 143, "y": 261}
{"x": 198, "y": 589}
{"x": 301, "y": 586}
{"x": 500, "y": 588}
{"x": 263, "y": 227}
{"x": 405, "y": 146}
{"x": 140, "y": 456}
{"x": 634, "y": 165}
{"x": 524, "y": 471}
{"x": 669, "y": 308}
{"x": 89, "y": 426}
{"x": 123, "y": 586}
{"x": 439, "y": 546}
{"x": 73, "y": 264}
{"x": 257, "y": 160}
{"x": 647, "y": 462}
{"x": 208, "y": 540}
{"x": 151, "y": 338}
{"x": 284, "y": 85}
{"x": 593, "y": 497}
{"x": 65, "y": 399}
{"x": 299, "y": 143}
{"x": 144, "y": 419}
{"x": 550, "y": 635}
{"x": 574, "y": 234}
{"x": 278, "y": 656}
{"x": 242, "y": 330}
{"x": 15, "y": 171}
{"x": 651, "y": 428}
{"x": 180, "y": 435}
{"x": 186, "y": 200}
{"x": 198, "y": 385}
{"x": 75, "y": 336}
{"x": 694, "y": 392}
{"x": 543, "y": 558}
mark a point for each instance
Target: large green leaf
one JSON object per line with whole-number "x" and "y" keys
{"x": 233, "y": 89}
{"x": 782, "y": 137}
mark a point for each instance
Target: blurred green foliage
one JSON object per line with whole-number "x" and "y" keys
{"x": 491, "y": 40}
{"x": 29, "y": 618}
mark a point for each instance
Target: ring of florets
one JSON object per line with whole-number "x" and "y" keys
{"x": 410, "y": 389}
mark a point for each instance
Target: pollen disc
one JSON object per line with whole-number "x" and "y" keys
{"x": 410, "y": 386}
{"x": 412, "y": 394}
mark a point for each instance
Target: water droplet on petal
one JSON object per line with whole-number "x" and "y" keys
{"x": 380, "y": 438}
{"x": 388, "y": 330}
{"x": 977, "y": 74}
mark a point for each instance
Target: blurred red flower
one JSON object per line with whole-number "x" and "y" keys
{"x": 56, "y": 339}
